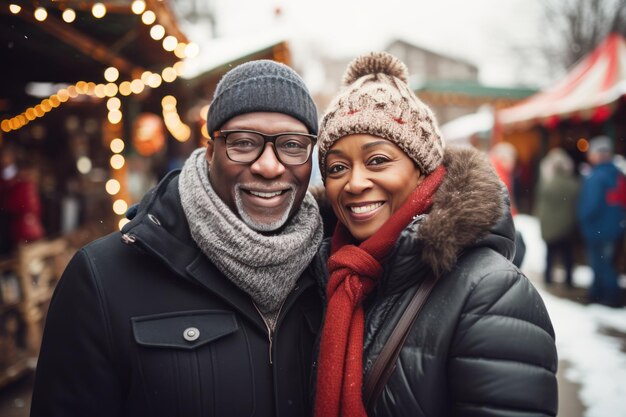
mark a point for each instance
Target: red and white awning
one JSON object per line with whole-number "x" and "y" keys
{"x": 588, "y": 92}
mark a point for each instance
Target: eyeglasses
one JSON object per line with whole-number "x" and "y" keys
{"x": 246, "y": 146}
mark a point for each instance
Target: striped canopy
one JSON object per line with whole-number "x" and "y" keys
{"x": 590, "y": 91}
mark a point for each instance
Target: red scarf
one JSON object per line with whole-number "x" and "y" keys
{"x": 354, "y": 272}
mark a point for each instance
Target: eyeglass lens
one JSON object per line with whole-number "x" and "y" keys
{"x": 291, "y": 149}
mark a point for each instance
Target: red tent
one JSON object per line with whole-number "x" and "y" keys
{"x": 590, "y": 91}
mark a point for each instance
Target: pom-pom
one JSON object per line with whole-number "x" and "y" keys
{"x": 375, "y": 63}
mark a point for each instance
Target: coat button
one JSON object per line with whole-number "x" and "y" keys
{"x": 190, "y": 334}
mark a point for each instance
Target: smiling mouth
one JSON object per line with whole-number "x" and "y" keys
{"x": 265, "y": 194}
{"x": 366, "y": 208}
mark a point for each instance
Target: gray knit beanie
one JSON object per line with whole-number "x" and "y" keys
{"x": 377, "y": 100}
{"x": 261, "y": 86}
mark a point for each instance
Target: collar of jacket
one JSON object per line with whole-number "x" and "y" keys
{"x": 470, "y": 209}
{"x": 158, "y": 227}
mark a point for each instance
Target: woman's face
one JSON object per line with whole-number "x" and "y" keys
{"x": 367, "y": 179}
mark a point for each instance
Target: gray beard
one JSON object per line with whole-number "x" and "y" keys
{"x": 262, "y": 227}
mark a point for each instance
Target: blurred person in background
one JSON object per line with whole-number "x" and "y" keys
{"x": 503, "y": 157}
{"x": 555, "y": 208}
{"x": 20, "y": 203}
{"x": 204, "y": 304}
{"x": 411, "y": 212}
{"x": 601, "y": 214}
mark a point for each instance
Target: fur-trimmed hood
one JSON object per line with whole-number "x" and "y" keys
{"x": 470, "y": 209}
{"x": 470, "y": 204}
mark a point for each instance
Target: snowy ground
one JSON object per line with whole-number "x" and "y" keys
{"x": 589, "y": 337}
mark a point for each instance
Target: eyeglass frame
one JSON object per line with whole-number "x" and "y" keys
{"x": 223, "y": 134}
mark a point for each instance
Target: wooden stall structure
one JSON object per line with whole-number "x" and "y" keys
{"x": 76, "y": 77}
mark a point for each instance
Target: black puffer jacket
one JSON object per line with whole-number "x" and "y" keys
{"x": 483, "y": 345}
{"x": 118, "y": 339}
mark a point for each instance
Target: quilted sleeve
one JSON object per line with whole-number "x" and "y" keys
{"x": 503, "y": 358}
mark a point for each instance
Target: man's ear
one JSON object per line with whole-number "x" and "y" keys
{"x": 209, "y": 151}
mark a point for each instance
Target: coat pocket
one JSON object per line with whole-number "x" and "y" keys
{"x": 183, "y": 330}
{"x": 192, "y": 362}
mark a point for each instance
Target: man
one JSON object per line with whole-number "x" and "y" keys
{"x": 602, "y": 217}
{"x": 204, "y": 304}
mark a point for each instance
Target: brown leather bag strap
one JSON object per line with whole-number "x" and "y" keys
{"x": 385, "y": 363}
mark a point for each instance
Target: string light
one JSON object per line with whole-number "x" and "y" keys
{"x": 114, "y": 103}
{"x": 40, "y": 14}
{"x": 111, "y": 74}
{"x": 98, "y": 10}
{"x": 117, "y": 161}
{"x": 117, "y": 145}
{"x": 112, "y": 186}
{"x": 157, "y": 32}
{"x": 69, "y": 15}
{"x": 120, "y": 206}
{"x": 148, "y": 17}
{"x": 14, "y": 8}
{"x": 138, "y": 6}
{"x": 169, "y": 43}
{"x": 123, "y": 222}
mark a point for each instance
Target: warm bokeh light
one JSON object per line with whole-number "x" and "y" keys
{"x": 54, "y": 101}
{"x": 5, "y": 126}
{"x": 41, "y": 14}
{"x": 117, "y": 145}
{"x": 81, "y": 87}
{"x": 117, "y": 161}
{"x": 114, "y": 117}
{"x": 123, "y": 222}
{"x": 154, "y": 81}
{"x": 110, "y": 89}
{"x": 112, "y": 186}
{"x": 138, "y": 6}
{"x": 46, "y": 106}
{"x": 125, "y": 88}
{"x": 63, "y": 95}
{"x": 169, "y": 74}
{"x": 114, "y": 103}
{"x": 170, "y": 43}
{"x": 179, "y": 67}
{"x": 69, "y": 15}
{"x": 111, "y": 74}
{"x": 205, "y": 131}
{"x": 582, "y": 144}
{"x": 38, "y": 110}
{"x": 30, "y": 114}
{"x": 157, "y": 32}
{"x": 148, "y": 17}
{"x": 98, "y": 10}
{"x": 72, "y": 91}
{"x": 100, "y": 91}
{"x": 137, "y": 86}
{"x": 83, "y": 164}
{"x": 192, "y": 50}
{"x": 168, "y": 103}
{"x": 179, "y": 51}
{"x": 14, "y": 8}
{"x": 120, "y": 206}
{"x": 145, "y": 76}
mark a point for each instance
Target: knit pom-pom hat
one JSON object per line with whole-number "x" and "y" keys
{"x": 377, "y": 100}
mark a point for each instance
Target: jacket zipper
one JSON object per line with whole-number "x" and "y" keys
{"x": 270, "y": 332}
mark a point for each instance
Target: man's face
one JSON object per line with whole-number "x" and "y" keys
{"x": 264, "y": 194}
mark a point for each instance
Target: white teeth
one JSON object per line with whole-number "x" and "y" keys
{"x": 365, "y": 209}
{"x": 265, "y": 195}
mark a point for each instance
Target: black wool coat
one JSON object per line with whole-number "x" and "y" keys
{"x": 483, "y": 345}
{"x": 143, "y": 324}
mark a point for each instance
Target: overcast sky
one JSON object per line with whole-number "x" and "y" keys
{"x": 484, "y": 32}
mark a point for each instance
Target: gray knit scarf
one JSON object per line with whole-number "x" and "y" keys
{"x": 264, "y": 266}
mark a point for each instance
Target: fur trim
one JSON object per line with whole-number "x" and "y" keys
{"x": 466, "y": 206}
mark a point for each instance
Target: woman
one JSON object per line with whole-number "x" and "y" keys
{"x": 483, "y": 344}
{"x": 557, "y": 194}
